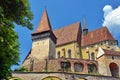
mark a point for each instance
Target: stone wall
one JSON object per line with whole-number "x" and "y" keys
{"x": 61, "y": 75}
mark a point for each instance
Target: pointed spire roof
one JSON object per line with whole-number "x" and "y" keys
{"x": 85, "y": 26}
{"x": 44, "y": 24}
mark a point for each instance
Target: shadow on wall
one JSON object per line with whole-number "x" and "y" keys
{"x": 15, "y": 78}
{"x": 51, "y": 78}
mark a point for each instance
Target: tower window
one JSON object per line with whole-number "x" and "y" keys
{"x": 112, "y": 57}
{"x": 37, "y": 43}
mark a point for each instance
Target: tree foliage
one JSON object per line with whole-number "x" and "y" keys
{"x": 11, "y": 12}
{"x": 17, "y": 11}
{"x": 22, "y": 69}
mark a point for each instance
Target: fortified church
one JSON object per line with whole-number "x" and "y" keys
{"x": 71, "y": 53}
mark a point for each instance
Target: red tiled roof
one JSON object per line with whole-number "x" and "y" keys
{"x": 67, "y": 34}
{"x": 96, "y": 36}
{"x": 111, "y": 52}
{"x": 44, "y": 24}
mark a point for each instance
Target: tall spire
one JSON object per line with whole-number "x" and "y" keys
{"x": 85, "y": 30}
{"x": 44, "y": 24}
{"x": 85, "y": 26}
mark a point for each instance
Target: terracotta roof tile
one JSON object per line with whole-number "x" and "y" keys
{"x": 96, "y": 36}
{"x": 44, "y": 24}
{"x": 111, "y": 52}
{"x": 67, "y": 34}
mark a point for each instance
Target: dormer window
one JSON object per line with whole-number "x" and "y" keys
{"x": 107, "y": 42}
{"x": 96, "y": 46}
{"x": 87, "y": 48}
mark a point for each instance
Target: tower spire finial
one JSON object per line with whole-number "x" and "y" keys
{"x": 85, "y": 29}
{"x": 85, "y": 26}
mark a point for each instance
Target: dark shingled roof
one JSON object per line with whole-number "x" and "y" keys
{"x": 67, "y": 34}
{"x": 96, "y": 36}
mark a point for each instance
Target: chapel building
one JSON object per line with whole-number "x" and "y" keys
{"x": 71, "y": 49}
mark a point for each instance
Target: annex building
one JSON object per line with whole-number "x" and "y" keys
{"x": 71, "y": 53}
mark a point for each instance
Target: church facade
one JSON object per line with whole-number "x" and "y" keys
{"x": 73, "y": 50}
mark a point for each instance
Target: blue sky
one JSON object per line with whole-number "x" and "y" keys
{"x": 65, "y": 12}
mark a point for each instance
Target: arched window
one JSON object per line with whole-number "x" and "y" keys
{"x": 78, "y": 67}
{"x": 92, "y": 68}
{"x": 58, "y": 54}
{"x": 114, "y": 69}
{"x": 65, "y": 66}
{"x": 51, "y": 78}
{"x": 69, "y": 53}
{"x": 15, "y": 78}
{"x": 92, "y": 56}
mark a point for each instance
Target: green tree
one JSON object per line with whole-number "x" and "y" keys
{"x": 12, "y": 12}
{"x": 22, "y": 69}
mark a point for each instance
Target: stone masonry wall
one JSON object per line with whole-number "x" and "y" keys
{"x": 61, "y": 75}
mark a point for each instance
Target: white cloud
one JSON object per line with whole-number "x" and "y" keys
{"x": 112, "y": 19}
{"x": 107, "y": 9}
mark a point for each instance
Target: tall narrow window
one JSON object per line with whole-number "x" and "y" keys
{"x": 58, "y": 54}
{"x": 64, "y": 54}
{"x": 92, "y": 56}
{"x": 69, "y": 53}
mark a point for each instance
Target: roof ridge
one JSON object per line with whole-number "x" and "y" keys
{"x": 66, "y": 26}
{"x": 109, "y": 34}
{"x": 98, "y": 29}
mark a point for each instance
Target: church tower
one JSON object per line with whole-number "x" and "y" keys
{"x": 43, "y": 46}
{"x": 85, "y": 30}
{"x": 43, "y": 39}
